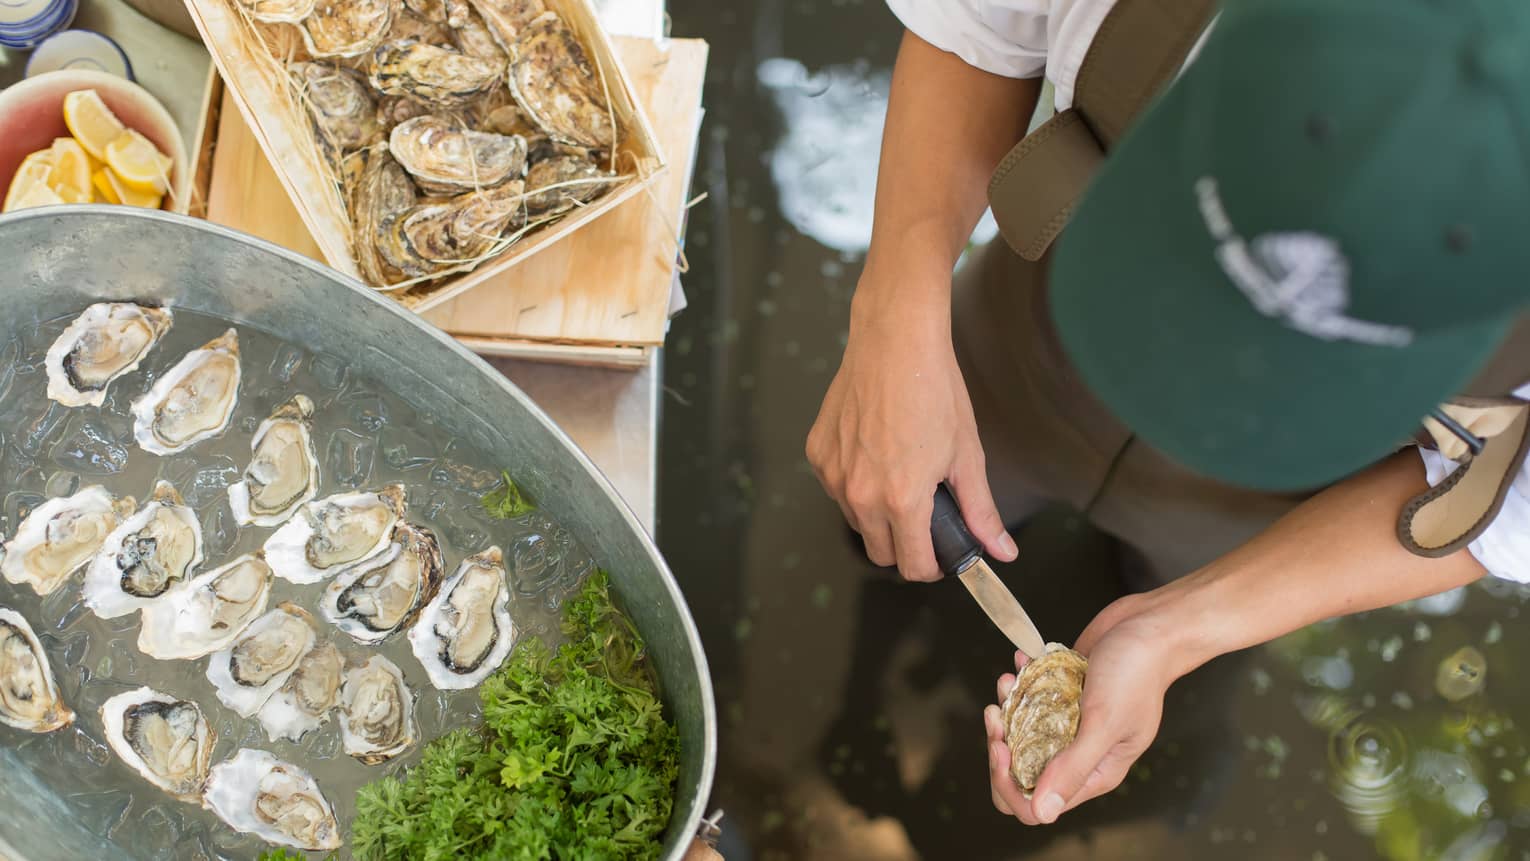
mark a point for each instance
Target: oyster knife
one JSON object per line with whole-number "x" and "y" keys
{"x": 959, "y": 552}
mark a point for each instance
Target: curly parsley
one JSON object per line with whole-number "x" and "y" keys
{"x": 574, "y": 761}
{"x": 506, "y": 502}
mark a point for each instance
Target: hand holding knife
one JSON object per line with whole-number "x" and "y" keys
{"x": 958, "y": 552}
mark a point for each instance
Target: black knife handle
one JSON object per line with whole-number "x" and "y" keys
{"x": 955, "y": 547}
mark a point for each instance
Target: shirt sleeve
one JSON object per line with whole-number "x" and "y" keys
{"x": 1004, "y": 37}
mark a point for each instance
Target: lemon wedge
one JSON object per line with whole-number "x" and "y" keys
{"x": 129, "y": 195}
{"x": 71, "y": 171}
{"x": 91, "y": 122}
{"x": 138, "y": 163}
{"x": 101, "y": 179}
{"x": 29, "y": 187}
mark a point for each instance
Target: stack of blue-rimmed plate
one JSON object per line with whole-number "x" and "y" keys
{"x": 24, "y": 23}
{"x": 79, "y": 49}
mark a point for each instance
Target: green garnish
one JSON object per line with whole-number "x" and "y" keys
{"x": 574, "y": 759}
{"x": 506, "y": 502}
{"x": 280, "y": 854}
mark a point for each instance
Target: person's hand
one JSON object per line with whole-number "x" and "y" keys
{"x": 896, "y": 422}
{"x": 1130, "y": 669}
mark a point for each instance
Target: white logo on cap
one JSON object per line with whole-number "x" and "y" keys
{"x": 1300, "y": 278}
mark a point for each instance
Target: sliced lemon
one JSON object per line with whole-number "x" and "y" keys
{"x": 28, "y": 190}
{"x": 101, "y": 179}
{"x": 71, "y": 171}
{"x": 35, "y": 170}
{"x": 138, "y": 163}
{"x": 130, "y": 195}
{"x": 91, "y": 122}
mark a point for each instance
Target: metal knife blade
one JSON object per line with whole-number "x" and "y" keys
{"x": 1002, "y": 608}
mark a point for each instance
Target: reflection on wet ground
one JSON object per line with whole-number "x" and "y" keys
{"x": 850, "y": 704}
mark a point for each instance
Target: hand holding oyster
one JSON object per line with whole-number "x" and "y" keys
{"x": 1041, "y": 712}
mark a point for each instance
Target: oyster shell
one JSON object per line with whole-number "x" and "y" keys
{"x": 448, "y": 159}
{"x": 375, "y": 599}
{"x": 255, "y": 666}
{"x": 570, "y": 175}
{"x": 192, "y": 401}
{"x": 383, "y": 190}
{"x": 409, "y": 67}
{"x": 256, "y": 793}
{"x": 505, "y": 18}
{"x": 330, "y": 536}
{"x": 427, "y": 237}
{"x": 277, "y": 11}
{"x": 144, "y": 556}
{"x": 408, "y": 25}
{"x": 208, "y": 612}
{"x": 284, "y": 469}
{"x": 465, "y": 632}
{"x": 392, "y": 110}
{"x": 1041, "y": 711}
{"x": 106, "y": 341}
{"x": 163, "y": 738}
{"x": 29, "y": 697}
{"x": 347, "y": 28}
{"x": 429, "y": 10}
{"x": 376, "y": 712}
{"x": 340, "y": 105}
{"x": 557, "y": 87}
{"x": 473, "y": 38}
{"x": 304, "y": 702}
{"x": 60, "y": 536}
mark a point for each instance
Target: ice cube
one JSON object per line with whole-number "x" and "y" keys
{"x": 286, "y": 362}
{"x": 92, "y": 448}
{"x": 367, "y": 410}
{"x": 37, "y": 432}
{"x": 329, "y": 371}
{"x": 463, "y": 478}
{"x": 350, "y": 458}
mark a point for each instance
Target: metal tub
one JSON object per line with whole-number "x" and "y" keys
{"x": 59, "y": 259}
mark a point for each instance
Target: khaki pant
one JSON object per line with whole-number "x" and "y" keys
{"x": 1047, "y": 438}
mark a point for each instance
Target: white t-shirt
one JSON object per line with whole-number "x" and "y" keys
{"x": 1026, "y": 38}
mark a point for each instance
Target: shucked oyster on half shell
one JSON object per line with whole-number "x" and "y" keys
{"x": 193, "y": 400}
{"x": 408, "y": 67}
{"x": 107, "y": 340}
{"x": 208, "y": 612}
{"x": 1042, "y": 710}
{"x": 277, "y": 11}
{"x": 379, "y": 597}
{"x": 376, "y": 712}
{"x": 60, "y": 536}
{"x": 256, "y": 793}
{"x": 163, "y": 738}
{"x": 284, "y": 469}
{"x": 446, "y": 158}
{"x": 145, "y": 556}
{"x": 383, "y": 190}
{"x": 29, "y": 697}
{"x": 557, "y": 86}
{"x": 428, "y": 237}
{"x": 332, "y": 535}
{"x": 465, "y": 632}
{"x": 303, "y": 703}
{"x": 251, "y": 670}
{"x": 347, "y": 28}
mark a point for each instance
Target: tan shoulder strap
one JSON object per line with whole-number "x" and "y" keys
{"x": 1451, "y": 515}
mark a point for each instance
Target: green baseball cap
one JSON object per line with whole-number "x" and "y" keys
{"x": 1316, "y": 235}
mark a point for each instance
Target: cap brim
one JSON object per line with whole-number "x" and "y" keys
{"x": 1165, "y": 339}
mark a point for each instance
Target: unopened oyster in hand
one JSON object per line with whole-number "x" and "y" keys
{"x": 284, "y": 469}
{"x": 256, "y": 793}
{"x": 60, "y": 536}
{"x": 278, "y": 11}
{"x": 347, "y": 28}
{"x": 427, "y": 237}
{"x": 465, "y": 632}
{"x": 145, "y": 556}
{"x": 165, "y": 739}
{"x": 29, "y": 697}
{"x": 377, "y": 598}
{"x": 107, "y": 340}
{"x": 562, "y": 177}
{"x": 208, "y": 612}
{"x": 1041, "y": 712}
{"x": 439, "y": 75}
{"x": 557, "y": 87}
{"x": 448, "y": 159}
{"x": 339, "y": 103}
{"x": 376, "y": 712}
{"x": 304, "y": 702}
{"x": 332, "y": 535}
{"x": 193, "y": 400}
{"x": 262, "y": 659}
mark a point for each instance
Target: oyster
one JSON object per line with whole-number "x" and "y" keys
{"x": 347, "y": 28}
{"x": 505, "y": 18}
{"x": 376, "y": 712}
{"x": 304, "y": 702}
{"x": 341, "y": 106}
{"x": 384, "y": 190}
{"x": 256, "y": 793}
{"x": 426, "y": 237}
{"x": 465, "y": 632}
{"x": 277, "y": 11}
{"x": 556, "y": 86}
{"x": 192, "y": 401}
{"x": 334, "y": 534}
{"x": 473, "y": 38}
{"x": 251, "y": 670}
{"x": 165, "y": 739}
{"x": 430, "y": 10}
{"x": 409, "y": 67}
{"x": 408, "y": 25}
{"x": 107, "y": 340}
{"x": 29, "y": 697}
{"x": 284, "y": 470}
{"x": 374, "y": 599}
{"x": 144, "y": 556}
{"x": 59, "y": 536}
{"x": 208, "y": 612}
{"x": 392, "y": 110}
{"x": 1041, "y": 711}
{"x": 570, "y": 176}
{"x": 448, "y": 159}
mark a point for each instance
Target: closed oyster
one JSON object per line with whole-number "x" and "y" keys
{"x": 375, "y": 599}
{"x": 277, "y": 11}
{"x": 556, "y": 85}
{"x": 447, "y": 159}
{"x": 251, "y": 670}
{"x": 340, "y": 105}
{"x": 392, "y": 110}
{"x": 1041, "y": 711}
{"x": 332, "y": 535}
{"x": 473, "y": 37}
{"x": 193, "y": 400}
{"x": 439, "y": 75}
{"x": 284, "y": 470}
{"x": 347, "y": 28}
{"x": 465, "y": 632}
{"x": 427, "y": 237}
{"x": 384, "y": 190}
{"x": 163, "y": 738}
{"x": 29, "y": 697}
{"x": 304, "y": 702}
{"x": 256, "y": 793}
{"x": 376, "y": 712}
{"x": 430, "y": 10}
{"x": 505, "y": 18}
{"x": 207, "y": 612}
{"x": 408, "y": 25}
{"x": 144, "y": 556}
{"x": 59, "y": 536}
{"x": 107, "y": 340}
{"x": 569, "y": 176}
